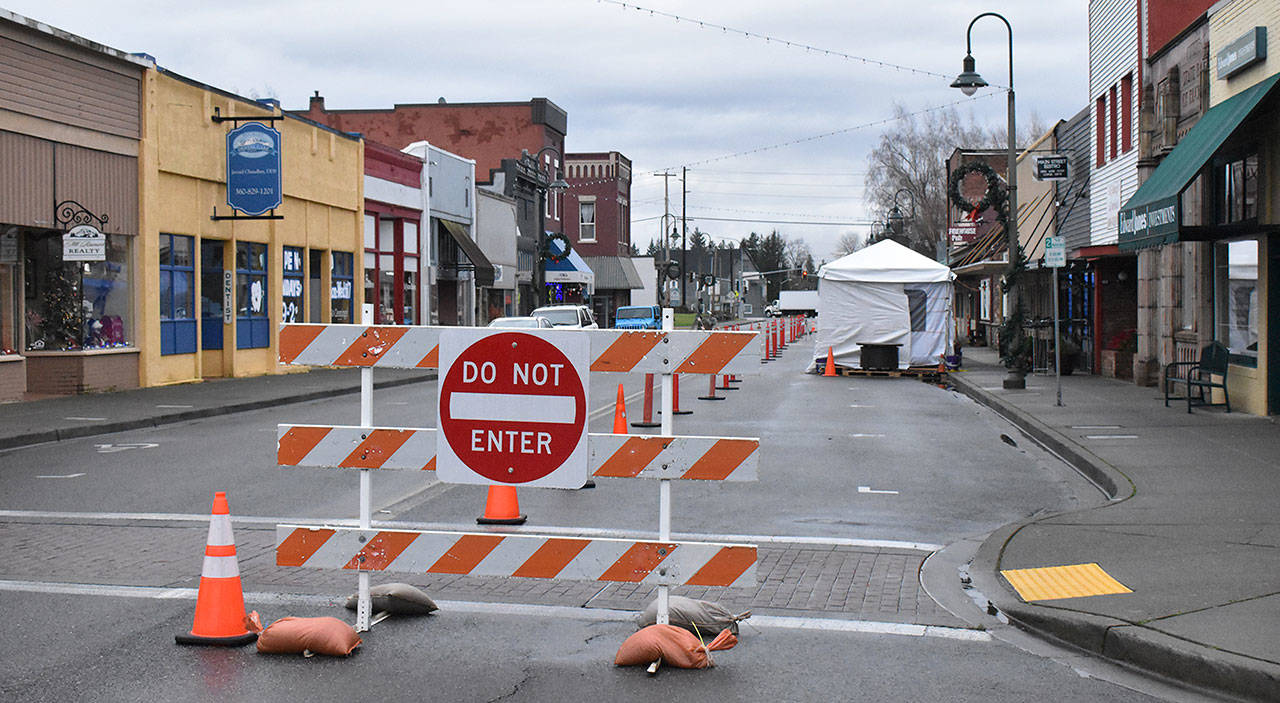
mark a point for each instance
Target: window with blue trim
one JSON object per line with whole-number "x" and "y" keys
{"x": 291, "y": 294}
{"x": 177, "y": 295}
{"x": 253, "y": 327}
{"x": 341, "y": 286}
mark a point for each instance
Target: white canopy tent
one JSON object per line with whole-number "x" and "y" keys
{"x": 884, "y": 294}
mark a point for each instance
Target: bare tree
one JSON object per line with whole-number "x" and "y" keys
{"x": 911, "y": 156}
{"x": 849, "y": 243}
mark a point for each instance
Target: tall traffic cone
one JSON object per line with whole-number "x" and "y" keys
{"x": 831, "y": 363}
{"x": 502, "y": 507}
{"x": 620, "y": 413}
{"x": 220, "y": 618}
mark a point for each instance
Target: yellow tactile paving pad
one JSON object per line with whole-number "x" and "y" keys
{"x": 1053, "y": 582}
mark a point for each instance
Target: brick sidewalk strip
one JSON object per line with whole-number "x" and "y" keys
{"x": 843, "y": 582}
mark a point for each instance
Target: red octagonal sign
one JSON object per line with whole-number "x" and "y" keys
{"x": 513, "y": 408}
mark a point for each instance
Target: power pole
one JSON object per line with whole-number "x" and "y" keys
{"x": 684, "y": 234}
{"x": 663, "y": 242}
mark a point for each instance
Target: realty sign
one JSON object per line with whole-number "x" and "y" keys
{"x": 84, "y": 243}
{"x": 513, "y": 407}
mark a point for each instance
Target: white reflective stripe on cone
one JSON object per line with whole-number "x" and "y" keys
{"x": 220, "y": 568}
{"x": 220, "y": 532}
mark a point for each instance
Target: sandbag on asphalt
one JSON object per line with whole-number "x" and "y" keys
{"x": 701, "y": 617}
{"x": 323, "y": 635}
{"x": 397, "y": 599}
{"x": 674, "y": 646}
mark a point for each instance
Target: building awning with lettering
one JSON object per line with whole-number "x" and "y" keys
{"x": 572, "y": 269}
{"x": 1152, "y": 216}
{"x": 479, "y": 262}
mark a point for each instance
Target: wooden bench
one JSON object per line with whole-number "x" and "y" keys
{"x": 1200, "y": 377}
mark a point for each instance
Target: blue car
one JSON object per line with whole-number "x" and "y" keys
{"x": 638, "y": 317}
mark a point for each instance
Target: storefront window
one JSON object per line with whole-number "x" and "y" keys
{"x": 76, "y": 305}
{"x": 291, "y": 294}
{"x": 8, "y": 293}
{"x": 1238, "y": 190}
{"x": 177, "y": 295}
{"x": 341, "y": 287}
{"x": 252, "y": 325}
{"x": 1235, "y": 304}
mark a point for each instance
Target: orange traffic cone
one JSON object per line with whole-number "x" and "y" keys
{"x": 220, "y": 618}
{"x": 831, "y": 363}
{"x": 620, "y": 413}
{"x": 502, "y": 507}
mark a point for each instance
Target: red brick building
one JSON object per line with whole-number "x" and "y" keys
{"x": 597, "y": 220}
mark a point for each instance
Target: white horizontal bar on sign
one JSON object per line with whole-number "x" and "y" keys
{"x": 512, "y": 407}
{"x": 617, "y": 351}
{"x": 611, "y": 456}
{"x": 522, "y": 555}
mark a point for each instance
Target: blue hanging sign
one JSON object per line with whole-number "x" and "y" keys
{"x": 253, "y": 168}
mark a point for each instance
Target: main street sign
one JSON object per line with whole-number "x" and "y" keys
{"x": 1052, "y": 168}
{"x": 513, "y": 408}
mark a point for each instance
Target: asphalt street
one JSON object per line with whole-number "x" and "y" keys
{"x": 861, "y": 479}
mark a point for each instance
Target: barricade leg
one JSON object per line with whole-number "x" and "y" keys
{"x": 647, "y": 420}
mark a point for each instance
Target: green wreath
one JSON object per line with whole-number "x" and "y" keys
{"x": 547, "y": 251}
{"x": 994, "y": 195}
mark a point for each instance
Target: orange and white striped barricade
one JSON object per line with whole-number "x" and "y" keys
{"x": 520, "y": 555}
{"x": 610, "y": 455}
{"x": 664, "y": 457}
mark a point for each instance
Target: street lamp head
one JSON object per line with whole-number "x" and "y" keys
{"x": 894, "y": 222}
{"x": 968, "y": 81}
{"x": 559, "y": 184}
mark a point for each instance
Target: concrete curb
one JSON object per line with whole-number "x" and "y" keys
{"x": 78, "y": 431}
{"x": 1130, "y": 644}
{"x": 1108, "y": 478}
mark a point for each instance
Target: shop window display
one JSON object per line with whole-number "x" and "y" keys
{"x": 252, "y": 324}
{"x": 1236, "y": 298}
{"x": 76, "y": 305}
{"x": 9, "y": 292}
{"x": 340, "y": 288}
{"x": 292, "y": 292}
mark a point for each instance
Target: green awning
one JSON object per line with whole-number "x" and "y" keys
{"x": 1152, "y": 216}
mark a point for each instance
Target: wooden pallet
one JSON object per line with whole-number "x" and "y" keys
{"x": 914, "y": 371}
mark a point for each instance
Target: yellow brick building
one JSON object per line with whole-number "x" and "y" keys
{"x": 214, "y": 292}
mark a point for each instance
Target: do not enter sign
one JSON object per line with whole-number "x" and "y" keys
{"x": 513, "y": 408}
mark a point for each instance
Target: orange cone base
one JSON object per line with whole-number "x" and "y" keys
{"x": 502, "y": 507}
{"x": 235, "y": 641}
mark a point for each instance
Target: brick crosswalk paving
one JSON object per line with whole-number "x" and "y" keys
{"x": 793, "y": 579}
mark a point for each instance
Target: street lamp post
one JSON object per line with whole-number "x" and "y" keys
{"x": 896, "y": 218}
{"x": 968, "y": 82}
{"x": 540, "y": 265}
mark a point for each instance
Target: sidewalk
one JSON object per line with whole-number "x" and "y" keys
{"x": 1192, "y": 529}
{"x": 65, "y": 417}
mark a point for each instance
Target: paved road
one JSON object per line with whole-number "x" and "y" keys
{"x": 860, "y": 479}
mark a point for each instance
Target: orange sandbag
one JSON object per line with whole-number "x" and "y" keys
{"x": 674, "y": 646}
{"x": 325, "y": 635}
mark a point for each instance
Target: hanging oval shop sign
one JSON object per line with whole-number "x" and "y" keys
{"x": 84, "y": 243}
{"x": 253, "y": 169}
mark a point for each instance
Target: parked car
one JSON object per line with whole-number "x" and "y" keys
{"x": 532, "y": 321}
{"x": 638, "y": 317}
{"x": 568, "y": 316}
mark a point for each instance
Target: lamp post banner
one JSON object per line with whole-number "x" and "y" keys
{"x": 253, "y": 169}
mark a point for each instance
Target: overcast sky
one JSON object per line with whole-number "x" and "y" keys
{"x": 665, "y": 93}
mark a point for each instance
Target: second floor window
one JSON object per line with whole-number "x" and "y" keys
{"x": 587, "y": 221}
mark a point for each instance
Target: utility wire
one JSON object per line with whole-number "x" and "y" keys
{"x": 833, "y": 133}
{"x": 771, "y": 39}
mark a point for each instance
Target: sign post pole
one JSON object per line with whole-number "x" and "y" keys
{"x": 1055, "y": 257}
{"x": 363, "y": 603}
{"x": 664, "y": 483}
